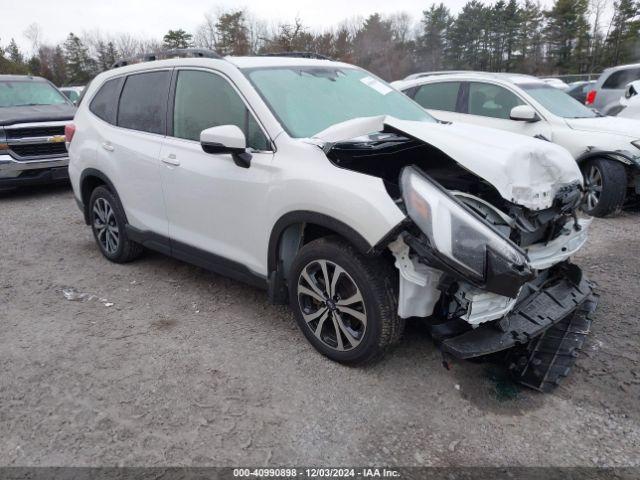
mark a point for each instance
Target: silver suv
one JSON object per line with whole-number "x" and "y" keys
{"x": 606, "y": 93}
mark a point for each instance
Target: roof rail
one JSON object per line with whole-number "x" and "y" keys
{"x": 164, "y": 54}
{"x": 313, "y": 55}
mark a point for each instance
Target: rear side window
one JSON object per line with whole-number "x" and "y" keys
{"x": 143, "y": 103}
{"x": 618, "y": 80}
{"x": 204, "y": 100}
{"x": 438, "y": 96}
{"x": 490, "y": 100}
{"x": 105, "y": 102}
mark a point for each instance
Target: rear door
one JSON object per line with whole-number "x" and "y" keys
{"x": 216, "y": 209}
{"x": 439, "y": 98}
{"x": 132, "y": 150}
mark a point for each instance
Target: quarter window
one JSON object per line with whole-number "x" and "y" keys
{"x": 143, "y": 103}
{"x": 490, "y": 100}
{"x": 105, "y": 103}
{"x": 205, "y": 100}
{"x": 438, "y": 96}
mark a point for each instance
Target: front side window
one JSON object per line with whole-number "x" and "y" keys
{"x": 438, "y": 96}
{"x": 307, "y": 100}
{"x": 556, "y": 101}
{"x": 143, "y": 102}
{"x": 24, "y": 93}
{"x": 105, "y": 103}
{"x": 490, "y": 100}
{"x": 205, "y": 100}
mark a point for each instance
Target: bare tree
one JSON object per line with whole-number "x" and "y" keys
{"x": 33, "y": 33}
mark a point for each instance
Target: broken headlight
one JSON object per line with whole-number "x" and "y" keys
{"x": 453, "y": 230}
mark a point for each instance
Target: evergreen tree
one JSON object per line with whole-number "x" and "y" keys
{"x": 567, "y": 33}
{"x": 14, "y": 53}
{"x": 232, "y": 34}
{"x": 177, "y": 39}
{"x": 623, "y": 43}
{"x": 432, "y": 43}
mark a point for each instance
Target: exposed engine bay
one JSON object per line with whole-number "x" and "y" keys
{"x": 484, "y": 253}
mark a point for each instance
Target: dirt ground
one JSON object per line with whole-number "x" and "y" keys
{"x": 172, "y": 365}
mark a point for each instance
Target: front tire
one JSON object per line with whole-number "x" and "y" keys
{"x": 605, "y": 183}
{"x": 344, "y": 303}
{"x": 108, "y": 223}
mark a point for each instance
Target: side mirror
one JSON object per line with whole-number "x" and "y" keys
{"x": 524, "y": 113}
{"x": 226, "y": 139}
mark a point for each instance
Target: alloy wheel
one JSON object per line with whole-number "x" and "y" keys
{"x": 105, "y": 226}
{"x": 593, "y": 185}
{"x": 332, "y": 305}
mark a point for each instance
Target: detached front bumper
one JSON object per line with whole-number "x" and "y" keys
{"x": 15, "y": 173}
{"x": 542, "y": 303}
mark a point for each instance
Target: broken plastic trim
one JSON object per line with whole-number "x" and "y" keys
{"x": 500, "y": 274}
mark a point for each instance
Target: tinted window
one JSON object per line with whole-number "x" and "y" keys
{"x": 619, "y": 79}
{"x": 438, "y": 96}
{"x": 557, "y": 101}
{"x": 206, "y": 100}
{"x": 105, "y": 102}
{"x": 491, "y": 100}
{"x": 143, "y": 103}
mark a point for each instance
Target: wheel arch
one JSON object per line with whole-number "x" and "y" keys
{"x": 292, "y": 231}
{"x": 626, "y": 158}
{"x": 90, "y": 179}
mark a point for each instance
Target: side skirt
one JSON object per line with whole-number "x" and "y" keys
{"x": 196, "y": 256}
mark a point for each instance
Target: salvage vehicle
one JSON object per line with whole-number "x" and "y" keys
{"x": 606, "y": 148}
{"x": 33, "y": 114}
{"x": 320, "y": 183}
{"x": 610, "y": 87}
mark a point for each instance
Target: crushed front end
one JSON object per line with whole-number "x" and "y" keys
{"x": 484, "y": 254}
{"x": 493, "y": 280}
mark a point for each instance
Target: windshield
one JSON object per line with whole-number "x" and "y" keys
{"x": 557, "y": 101}
{"x": 307, "y": 100}
{"x": 22, "y": 93}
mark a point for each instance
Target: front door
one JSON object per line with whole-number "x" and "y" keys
{"x": 214, "y": 206}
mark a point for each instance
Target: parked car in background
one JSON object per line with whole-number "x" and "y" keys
{"x": 33, "y": 115}
{"x": 322, "y": 184}
{"x": 72, "y": 93}
{"x": 579, "y": 90}
{"x": 610, "y": 86}
{"x": 556, "y": 82}
{"x": 606, "y": 148}
{"x": 630, "y": 101}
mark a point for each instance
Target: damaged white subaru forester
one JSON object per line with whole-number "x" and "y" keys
{"x": 322, "y": 184}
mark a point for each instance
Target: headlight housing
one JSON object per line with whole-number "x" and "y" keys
{"x": 458, "y": 234}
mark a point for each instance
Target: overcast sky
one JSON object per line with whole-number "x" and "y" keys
{"x": 149, "y": 18}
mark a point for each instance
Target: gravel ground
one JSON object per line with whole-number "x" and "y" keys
{"x": 172, "y": 365}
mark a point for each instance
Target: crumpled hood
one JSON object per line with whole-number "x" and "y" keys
{"x": 36, "y": 113}
{"x": 524, "y": 170}
{"x": 610, "y": 125}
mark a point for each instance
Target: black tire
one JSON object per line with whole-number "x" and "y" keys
{"x": 124, "y": 250}
{"x": 611, "y": 189}
{"x": 374, "y": 279}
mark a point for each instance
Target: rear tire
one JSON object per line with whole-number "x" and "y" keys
{"x": 108, "y": 223}
{"x": 606, "y": 185}
{"x": 345, "y": 303}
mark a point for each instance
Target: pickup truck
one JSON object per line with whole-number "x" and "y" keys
{"x": 33, "y": 115}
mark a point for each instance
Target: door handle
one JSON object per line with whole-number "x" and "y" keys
{"x": 107, "y": 146}
{"x": 171, "y": 160}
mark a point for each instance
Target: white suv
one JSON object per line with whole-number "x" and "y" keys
{"x": 320, "y": 183}
{"x": 606, "y": 148}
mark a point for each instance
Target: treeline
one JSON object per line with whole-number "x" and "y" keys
{"x": 572, "y": 36}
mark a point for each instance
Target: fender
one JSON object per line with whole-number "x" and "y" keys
{"x": 92, "y": 172}
{"x": 277, "y": 289}
{"x": 623, "y": 156}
